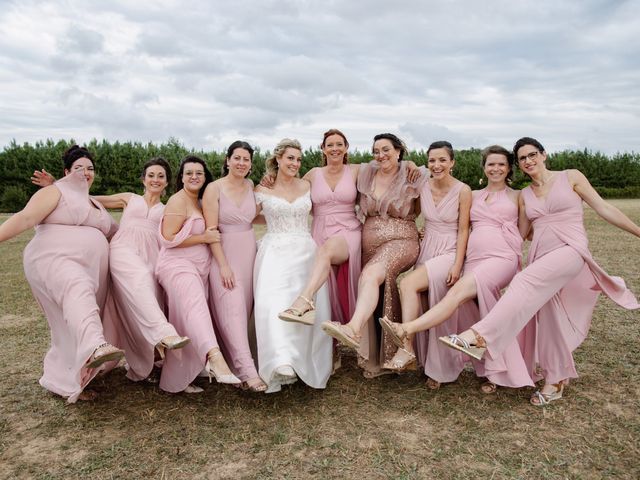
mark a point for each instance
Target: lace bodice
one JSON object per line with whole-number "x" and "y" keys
{"x": 285, "y": 217}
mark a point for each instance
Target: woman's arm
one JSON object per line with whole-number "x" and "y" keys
{"x": 41, "y": 204}
{"x": 115, "y": 201}
{"x": 464, "y": 215}
{"x": 210, "y": 210}
{"x": 524, "y": 224}
{"x": 175, "y": 214}
{"x": 607, "y": 211}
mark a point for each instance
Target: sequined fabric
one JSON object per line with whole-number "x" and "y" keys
{"x": 389, "y": 236}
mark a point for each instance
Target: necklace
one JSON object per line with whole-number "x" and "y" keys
{"x": 543, "y": 181}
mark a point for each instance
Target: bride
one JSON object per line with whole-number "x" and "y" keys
{"x": 284, "y": 260}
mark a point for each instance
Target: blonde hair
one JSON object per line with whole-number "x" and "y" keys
{"x": 271, "y": 164}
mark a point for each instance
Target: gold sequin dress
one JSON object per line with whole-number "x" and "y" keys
{"x": 389, "y": 236}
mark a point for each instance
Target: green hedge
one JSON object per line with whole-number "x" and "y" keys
{"x": 119, "y": 165}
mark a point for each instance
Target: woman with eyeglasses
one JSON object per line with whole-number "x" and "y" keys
{"x": 183, "y": 271}
{"x": 389, "y": 204}
{"x": 66, "y": 264}
{"x": 553, "y": 298}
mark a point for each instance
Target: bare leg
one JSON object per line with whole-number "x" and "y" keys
{"x": 369, "y": 283}
{"x": 414, "y": 283}
{"x": 334, "y": 251}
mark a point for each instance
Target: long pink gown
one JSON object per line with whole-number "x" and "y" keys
{"x": 184, "y": 275}
{"x": 334, "y": 215}
{"x": 494, "y": 254}
{"x": 136, "y": 321}
{"x": 231, "y": 308}
{"x": 558, "y": 289}
{"x": 66, "y": 264}
{"x": 437, "y": 253}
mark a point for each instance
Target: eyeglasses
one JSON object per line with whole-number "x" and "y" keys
{"x": 529, "y": 156}
{"x": 382, "y": 151}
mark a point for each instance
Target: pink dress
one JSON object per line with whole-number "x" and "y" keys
{"x": 438, "y": 252}
{"x": 334, "y": 215}
{"x": 66, "y": 264}
{"x": 557, "y": 291}
{"x": 231, "y": 308}
{"x": 136, "y": 321}
{"x": 184, "y": 275}
{"x": 494, "y": 254}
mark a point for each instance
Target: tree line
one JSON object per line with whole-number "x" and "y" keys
{"x": 118, "y": 166}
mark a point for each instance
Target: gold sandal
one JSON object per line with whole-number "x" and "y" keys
{"x": 339, "y": 332}
{"x": 306, "y": 317}
{"x": 391, "y": 329}
{"x": 104, "y": 353}
{"x": 409, "y": 363}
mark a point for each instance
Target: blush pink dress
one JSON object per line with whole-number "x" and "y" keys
{"x": 136, "y": 321}
{"x": 557, "y": 291}
{"x": 66, "y": 264}
{"x": 437, "y": 253}
{"x": 494, "y": 254}
{"x": 231, "y": 308}
{"x": 184, "y": 275}
{"x": 334, "y": 215}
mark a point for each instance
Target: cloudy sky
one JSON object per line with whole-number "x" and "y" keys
{"x": 210, "y": 72}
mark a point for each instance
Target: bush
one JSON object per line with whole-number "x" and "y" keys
{"x": 13, "y": 199}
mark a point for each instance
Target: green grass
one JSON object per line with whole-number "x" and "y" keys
{"x": 390, "y": 427}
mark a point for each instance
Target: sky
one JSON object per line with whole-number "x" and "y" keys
{"x": 211, "y": 72}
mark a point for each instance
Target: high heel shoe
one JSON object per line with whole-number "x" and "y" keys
{"x": 172, "y": 342}
{"x": 219, "y": 375}
{"x": 104, "y": 353}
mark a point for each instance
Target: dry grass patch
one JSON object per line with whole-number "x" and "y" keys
{"x": 390, "y": 427}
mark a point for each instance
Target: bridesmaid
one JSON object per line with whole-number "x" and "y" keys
{"x": 389, "y": 202}
{"x": 445, "y": 203}
{"x": 229, "y": 206}
{"x": 69, "y": 250}
{"x": 559, "y": 287}
{"x": 336, "y": 230}
{"x": 183, "y": 271}
{"x": 134, "y": 319}
{"x": 493, "y": 257}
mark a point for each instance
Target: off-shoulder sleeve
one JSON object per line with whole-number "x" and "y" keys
{"x": 181, "y": 236}
{"x": 259, "y": 197}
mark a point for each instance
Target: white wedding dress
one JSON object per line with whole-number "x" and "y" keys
{"x": 283, "y": 264}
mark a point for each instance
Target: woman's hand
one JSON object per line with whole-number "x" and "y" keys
{"x": 268, "y": 181}
{"x": 413, "y": 172}
{"x": 454, "y": 275}
{"x": 211, "y": 235}
{"x": 42, "y": 178}
{"x": 228, "y": 279}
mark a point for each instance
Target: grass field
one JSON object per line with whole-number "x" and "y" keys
{"x": 390, "y": 427}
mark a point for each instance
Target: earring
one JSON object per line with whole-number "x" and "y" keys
{"x": 481, "y": 181}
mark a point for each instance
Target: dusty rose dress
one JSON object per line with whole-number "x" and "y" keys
{"x": 389, "y": 236}
{"x": 138, "y": 321}
{"x": 231, "y": 308}
{"x": 184, "y": 275}
{"x": 334, "y": 215}
{"x": 558, "y": 289}
{"x": 437, "y": 253}
{"x": 66, "y": 264}
{"x": 494, "y": 254}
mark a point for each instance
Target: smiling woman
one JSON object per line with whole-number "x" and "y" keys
{"x": 66, "y": 265}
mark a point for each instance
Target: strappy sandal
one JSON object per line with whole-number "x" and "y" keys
{"x": 340, "y": 333}
{"x": 255, "y": 385}
{"x": 540, "y": 399}
{"x": 460, "y": 344}
{"x": 172, "y": 342}
{"x": 488, "y": 388}
{"x": 222, "y": 374}
{"x": 391, "y": 329}
{"x": 104, "y": 353}
{"x": 408, "y": 363}
{"x": 306, "y": 317}
{"x": 432, "y": 384}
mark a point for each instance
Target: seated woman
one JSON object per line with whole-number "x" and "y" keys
{"x": 66, "y": 264}
{"x": 553, "y": 298}
{"x": 389, "y": 202}
{"x": 287, "y": 350}
{"x": 134, "y": 318}
{"x": 183, "y": 271}
{"x": 493, "y": 257}
{"x": 230, "y": 206}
